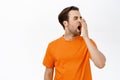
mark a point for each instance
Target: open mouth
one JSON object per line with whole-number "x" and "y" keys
{"x": 79, "y": 27}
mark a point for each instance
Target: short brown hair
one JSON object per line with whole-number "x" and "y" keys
{"x": 63, "y": 16}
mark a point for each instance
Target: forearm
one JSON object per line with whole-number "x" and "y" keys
{"x": 48, "y": 77}
{"x": 97, "y": 57}
{"x": 48, "y": 74}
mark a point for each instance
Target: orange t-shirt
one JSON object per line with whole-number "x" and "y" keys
{"x": 70, "y": 58}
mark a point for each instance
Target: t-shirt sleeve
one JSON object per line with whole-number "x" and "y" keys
{"x": 48, "y": 60}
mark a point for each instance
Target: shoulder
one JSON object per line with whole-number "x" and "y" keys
{"x": 91, "y": 40}
{"x": 55, "y": 42}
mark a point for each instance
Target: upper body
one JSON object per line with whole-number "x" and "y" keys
{"x": 70, "y": 59}
{"x": 69, "y": 55}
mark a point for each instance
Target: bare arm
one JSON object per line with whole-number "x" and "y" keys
{"x": 97, "y": 57}
{"x": 48, "y": 74}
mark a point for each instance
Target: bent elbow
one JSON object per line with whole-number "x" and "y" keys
{"x": 101, "y": 66}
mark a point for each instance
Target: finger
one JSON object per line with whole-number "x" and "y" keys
{"x": 83, "y": 20}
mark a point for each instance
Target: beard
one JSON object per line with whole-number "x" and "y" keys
{"x": 75, "y": 32}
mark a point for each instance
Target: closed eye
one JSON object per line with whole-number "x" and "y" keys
{"x": 80, "y": 17}
{"x": 75, "y": 18}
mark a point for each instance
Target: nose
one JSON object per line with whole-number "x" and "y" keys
{"x": 80, "y": 19}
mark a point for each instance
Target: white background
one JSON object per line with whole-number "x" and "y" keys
{"x": 27, "y": 26}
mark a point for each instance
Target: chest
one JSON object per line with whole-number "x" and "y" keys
{"x": 70, "y": 53}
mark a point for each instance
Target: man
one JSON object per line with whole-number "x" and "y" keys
{"x": 69, "y": 55}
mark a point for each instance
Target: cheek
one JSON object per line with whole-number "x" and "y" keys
{"x": 72, "y": 27}
{"x": 72, "y": 24}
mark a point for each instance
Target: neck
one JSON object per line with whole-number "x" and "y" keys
{"x": 69, "y": 36}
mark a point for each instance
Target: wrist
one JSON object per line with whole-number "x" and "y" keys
{"x": 85, "y": 37}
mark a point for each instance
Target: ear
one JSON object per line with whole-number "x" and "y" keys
{"x": 65, "y": 23}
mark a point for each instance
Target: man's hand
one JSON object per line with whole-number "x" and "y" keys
{"x": 96, "y": 56}
{"x": 84, "y": 31}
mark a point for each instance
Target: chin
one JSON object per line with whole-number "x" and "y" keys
{"x": 79, "y": 34}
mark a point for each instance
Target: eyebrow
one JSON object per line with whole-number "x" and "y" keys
{"x": 77, "y": 17}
